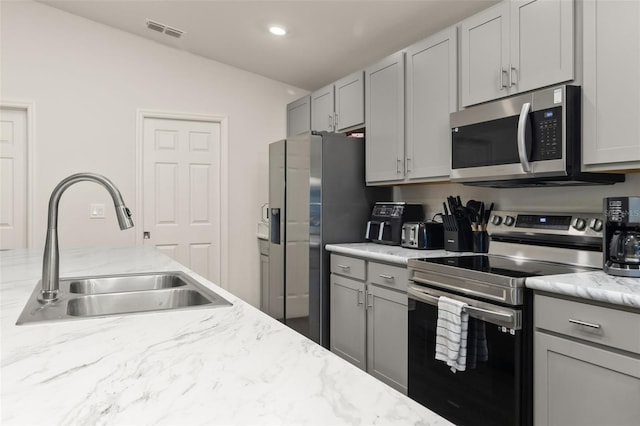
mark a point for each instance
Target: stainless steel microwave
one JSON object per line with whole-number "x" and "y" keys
{"x": 527, "y": 140}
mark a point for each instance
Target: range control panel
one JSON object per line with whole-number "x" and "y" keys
{"x": 587, "y": 224}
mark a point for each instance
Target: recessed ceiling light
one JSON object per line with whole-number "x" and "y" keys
{"x": 279, "y": 31}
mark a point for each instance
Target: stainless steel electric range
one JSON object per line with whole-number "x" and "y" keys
{"x": 496, "y": 386}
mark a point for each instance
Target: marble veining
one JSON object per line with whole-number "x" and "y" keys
{"x": 231, "y": 365}
{"x": 597, "y": 285}
{"x": 385, "y": 253}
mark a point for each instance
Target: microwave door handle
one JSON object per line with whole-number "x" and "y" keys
{"x": 522, "y": 137}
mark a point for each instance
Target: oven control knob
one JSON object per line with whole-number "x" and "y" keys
{"x": 595, "y": 224}
{"x": 579, "y": 223}
{"x": 509, "y": 220}
{"x": 496, "y": 220}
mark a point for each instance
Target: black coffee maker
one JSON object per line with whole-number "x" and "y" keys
{"x": 621, "y": 249}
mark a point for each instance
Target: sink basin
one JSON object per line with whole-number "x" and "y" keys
{"x": 100, "y": 296}
{"x": 140, "y": 301}
{"x": 116, "y": 284}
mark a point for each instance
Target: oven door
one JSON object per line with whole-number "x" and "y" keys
{"x": 494, "y": 389}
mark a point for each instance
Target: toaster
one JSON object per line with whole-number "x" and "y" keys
{"x": 423, "y": 235}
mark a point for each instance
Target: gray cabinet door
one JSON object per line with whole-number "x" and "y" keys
{"x": 611, "y": 87}
{"x": 384, "y": 101}
{"x": 484, "y": 59}
{"x": 299, "y": 116}
{"x": 432, "y": 92}
{"x": 348, "y": 331}
{"x": 580, "y": 384}
{"x": 349, "y": 109}
{"x": 387, "y": 338}
{"x": 541, "y": 43}
{"x": 322, "y": 109}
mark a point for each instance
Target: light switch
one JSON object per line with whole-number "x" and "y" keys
{"x": 96, "y": 211}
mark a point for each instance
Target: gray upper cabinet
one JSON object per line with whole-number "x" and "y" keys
{"x": 322, "y": 109}
{"x": 516, "y": 46}
{"x": 349, "y": 104}
{"x": 339, "y": 106}
{"x": 299, "y": 116}
{"x": 611, "y": 87}
{"x": 484, "y": 56}
{"x": 432, "y": 94}
{"x": 384, "y": 99}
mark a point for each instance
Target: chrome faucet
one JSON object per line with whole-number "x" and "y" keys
{"x": 51, "y": 260}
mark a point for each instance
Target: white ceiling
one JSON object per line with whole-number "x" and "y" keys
{"x": 327, "y": 39}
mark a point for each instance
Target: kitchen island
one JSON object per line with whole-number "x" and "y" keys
{"x": 225, "y": 365}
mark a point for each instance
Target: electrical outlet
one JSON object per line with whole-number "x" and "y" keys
{"x": 96, "y": 211}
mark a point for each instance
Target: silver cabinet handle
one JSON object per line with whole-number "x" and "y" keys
{"x": 513, "y": 81}
{"x": 335, "y": 121}
{"x": 386, "y": 277}
{"x": 586, "y": 324}
{"x": 360, "y": 301}
{"x": 370, "y": 300}
{"x": 345, "y": 267}
{"x": 522, "y": 129}
{"x": 408, "y": 164}
{"x": 502, "y": 73}
{"x": 397, "y": 166}
{"x": 330, "y": 122}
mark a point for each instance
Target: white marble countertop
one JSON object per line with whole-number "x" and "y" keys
{"x": 231, "y": 365}
{"x": 597, "y": 285}
{"x": 385, "y": 253}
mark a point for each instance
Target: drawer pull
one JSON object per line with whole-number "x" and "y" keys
{"x": 345, "y": 267}
{"x": 586, "y": 324}
{"x": 386, "y": 277}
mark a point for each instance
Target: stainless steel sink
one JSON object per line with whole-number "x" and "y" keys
{"x": 116, "y": 284}
{"x": 99, "y": 296}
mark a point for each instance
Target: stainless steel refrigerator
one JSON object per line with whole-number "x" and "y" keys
{"x": 317, "y": 196}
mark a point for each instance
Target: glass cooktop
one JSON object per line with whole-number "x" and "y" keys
{"x": 505, "y": 266}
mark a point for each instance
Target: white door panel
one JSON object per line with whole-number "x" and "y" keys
{"x": 13, "y": 178}
{"x": 181, "y": 168}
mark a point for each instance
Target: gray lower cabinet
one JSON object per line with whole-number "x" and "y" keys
{"x": 387, "y": 336}
{"x": 586, "y": 364}
{"x": 348, "y": 320}
{"x": 369, "y": 317}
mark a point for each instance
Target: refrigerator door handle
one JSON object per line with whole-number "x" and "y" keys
{"x": 274, "y": 226}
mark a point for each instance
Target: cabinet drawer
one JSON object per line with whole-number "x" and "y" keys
{"x": 396, "y": 277}
{"x": 348, "y": 266}
{"x": 607, "y": 326}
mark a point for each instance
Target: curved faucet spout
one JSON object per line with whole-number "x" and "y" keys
{"x": 51, "y": 260}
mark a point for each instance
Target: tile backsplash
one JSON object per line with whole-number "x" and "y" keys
{"x": 559, "y": 199}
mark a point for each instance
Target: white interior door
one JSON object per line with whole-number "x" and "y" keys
{"x": 181, "y": 192}
{"x": 13, "y": 178}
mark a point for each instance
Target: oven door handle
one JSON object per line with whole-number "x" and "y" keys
{"x": 422, "y": 295}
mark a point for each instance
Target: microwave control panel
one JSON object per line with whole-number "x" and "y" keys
{"x": 547, "y": 134}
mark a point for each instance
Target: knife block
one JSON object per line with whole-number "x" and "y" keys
{"x": 457, "y": 233}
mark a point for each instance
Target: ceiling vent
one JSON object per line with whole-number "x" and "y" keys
{"x": 162, "y": 28}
